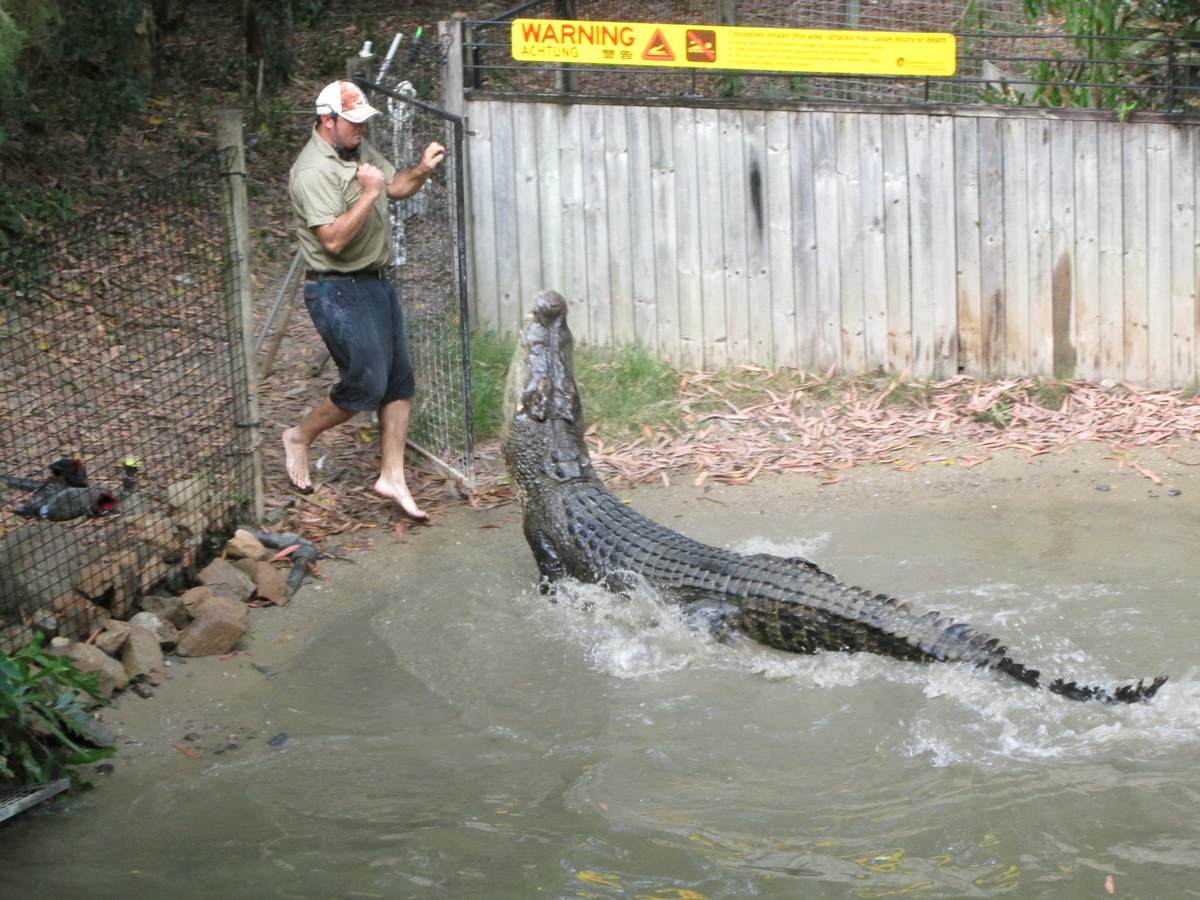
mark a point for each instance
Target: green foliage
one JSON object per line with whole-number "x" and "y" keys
{"x": 24, "y": 24}
{"x": 23, "y": 207}
{"x": 308, "y": 12}
{"x": 78, "y": 62}
{"x": 622, "y": 388}
{"x": 1049, "y": 393}
{"x": 625, "y": 388}
{"x": 329, "y": 59}
{"x": 11, "y": 40}
{"x": 1120, "y": 50}
{"x": 490, "y": 355}
{"x": 999, "y": 415}
{"x": 45, "y": 726}
{"x": 93, "y": 65}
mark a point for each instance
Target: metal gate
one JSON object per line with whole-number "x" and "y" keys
{"x": 430, "y": 274}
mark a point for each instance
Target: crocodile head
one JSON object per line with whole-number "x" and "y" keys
{"x": 543, "y": 418}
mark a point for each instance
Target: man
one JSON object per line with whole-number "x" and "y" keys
{"x": 340, "y": 186}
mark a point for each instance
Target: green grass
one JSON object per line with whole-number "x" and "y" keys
{"x": 490, "y": 356}
{"x": 1050, "y": 393}
{"x": 623, "y": 388}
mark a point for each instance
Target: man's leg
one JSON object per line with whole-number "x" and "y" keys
{"x": 297, "y": 440}
{"x": 393, "y": 427}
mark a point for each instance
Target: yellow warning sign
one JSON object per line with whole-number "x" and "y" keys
{"x": 733, "y": 47}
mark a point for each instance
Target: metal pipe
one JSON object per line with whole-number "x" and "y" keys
{"x": 391, "y": 54}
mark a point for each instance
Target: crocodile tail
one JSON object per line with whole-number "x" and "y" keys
{"x": 1126, "y": 693}
{"x": 1072, "y": 690}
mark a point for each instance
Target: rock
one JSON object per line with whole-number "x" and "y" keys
{"x": 155, "y": 529}
{"x": 164, "y": 632}
{"x": 153, "y": 573}
{"x": 77, "y": 616}
{"x": 16, "y": 635}
{"x": 142, "y": 655}
{"x": 224, "y": 578}
{"x": 110, "y": 674}
{"x": 244, "y": 545}
{"x": 187, "y": 494}
{"x": 113, "y": 637}
{"x": 43, "y": 620}
{"x": 109, "y": 582}
{"x": 217, "y": 625}
{"x": 95, "y": 581}
{"x": 169, "y": 609}
{"x": 270, "y": 583}
{"x": 194, "y": 523}
{"x": 193, "y": 597}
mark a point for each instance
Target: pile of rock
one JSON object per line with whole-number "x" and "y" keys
{"x": 206, "y": 620}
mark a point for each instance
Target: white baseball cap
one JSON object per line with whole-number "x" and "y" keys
{"x": 345, "y": 99}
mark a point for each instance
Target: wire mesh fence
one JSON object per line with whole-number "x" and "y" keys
{"x": 120, "y": 450}
{"x": 429, "y": 272}
{"x": 1003, "y": 57}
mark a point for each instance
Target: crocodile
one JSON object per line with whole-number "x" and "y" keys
{"x": 577, "y": 529}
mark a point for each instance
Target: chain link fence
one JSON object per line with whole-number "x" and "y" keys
{"x": 1003, "y": 56}
{"x": 121, "y": 449}
{"x": 429, "y": 272}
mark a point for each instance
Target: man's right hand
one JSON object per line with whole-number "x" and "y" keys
{"x": 371, "y": 179}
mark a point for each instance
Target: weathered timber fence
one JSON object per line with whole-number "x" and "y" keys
{"x": 922, "y": 239}
{"x": 124, "y": 337}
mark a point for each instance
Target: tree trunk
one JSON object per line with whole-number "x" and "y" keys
{"x": 268, "y": 30}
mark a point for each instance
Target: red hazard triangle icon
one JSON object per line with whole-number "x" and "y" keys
{"x": 658, "y": 49}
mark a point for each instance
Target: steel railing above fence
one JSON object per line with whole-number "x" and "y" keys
{"x": 1053, "y": 70}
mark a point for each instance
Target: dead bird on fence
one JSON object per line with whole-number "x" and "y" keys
{"x": 67, "y": 472}
{"x": 66, "y": 494}
{"x": 77, "y": 502}
{"x": 577, "y": 529}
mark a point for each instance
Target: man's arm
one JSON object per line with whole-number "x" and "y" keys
{"x": 341, "y": 231}
{"x": 404, "y": 184}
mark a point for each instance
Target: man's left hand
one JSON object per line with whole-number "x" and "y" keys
{"x": 433, "y": 156}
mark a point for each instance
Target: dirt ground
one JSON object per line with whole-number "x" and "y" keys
{"x": 212, "y": 706}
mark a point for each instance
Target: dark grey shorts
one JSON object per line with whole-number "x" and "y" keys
{"x": 362, "y": 324}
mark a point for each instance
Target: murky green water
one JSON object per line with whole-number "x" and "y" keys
{"x": 458, "y": 737}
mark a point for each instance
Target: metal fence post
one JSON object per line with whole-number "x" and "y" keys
{"x": 568, "y": 75}
{"x": 235, "y": 212}
{"x": 450, "y": 33}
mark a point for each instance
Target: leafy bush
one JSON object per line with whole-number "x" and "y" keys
{"x": 45, "y": 726}
{"x": 22, "y": 209}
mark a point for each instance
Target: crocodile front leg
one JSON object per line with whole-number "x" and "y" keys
{"x": 549, "y": 563}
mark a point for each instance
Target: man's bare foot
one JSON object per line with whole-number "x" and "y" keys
{"x": 295, "y": 459}
{"x": 399, "y": 492}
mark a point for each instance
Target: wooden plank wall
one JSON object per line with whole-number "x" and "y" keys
{"x": 987, "y": 241}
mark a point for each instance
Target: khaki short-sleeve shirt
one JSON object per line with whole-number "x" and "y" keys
{"x": 322, "y": 186}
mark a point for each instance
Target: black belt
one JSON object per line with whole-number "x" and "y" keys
{"x": 343, "y": 276}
